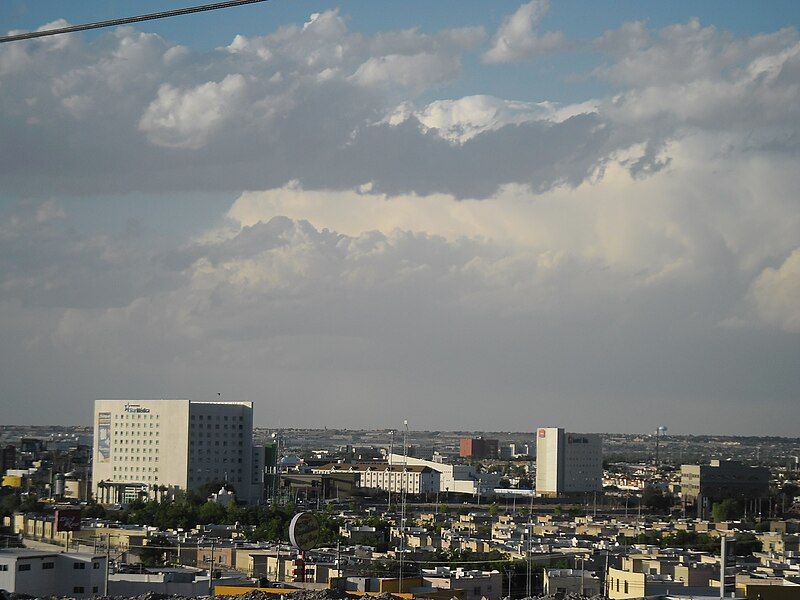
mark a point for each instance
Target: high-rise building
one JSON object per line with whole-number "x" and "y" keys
{"x": 568, "y": 463}
{"x": 8, "y": 458}
{"x": 478, "y": 448}
{"x": 146, "y": 448}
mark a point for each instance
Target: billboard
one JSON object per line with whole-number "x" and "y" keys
{"x": 304, "y": 531}
{"x": 104, "y": 437}
{"x": 68, "y": 519}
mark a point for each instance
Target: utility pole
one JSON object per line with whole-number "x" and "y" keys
{"x": 722, "y": 567}
{"x": 108, "y": 560}
{"x": 528, "y": 585}
{"x": 338, "y": 562}
{"x": 403, "y": 490}
{"x": 211, "y": 571}
{"x": 278, "y": 563}
{"x": 391, "y": 479}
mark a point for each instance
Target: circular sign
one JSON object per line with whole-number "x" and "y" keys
{"x": 304, "y": 531}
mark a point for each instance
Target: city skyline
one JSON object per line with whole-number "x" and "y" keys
{"x": 570, "y": 214}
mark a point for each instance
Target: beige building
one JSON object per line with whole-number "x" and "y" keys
{"x": 143, "y": 447}
{"x": 568, "y": 463}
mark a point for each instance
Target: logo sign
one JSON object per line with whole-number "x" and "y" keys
{"x": 542, "y": 432}
{"x": 577, "y": 440}
{"x": 68, "y": 519}
{"x": 304, "y": 531}
{"x": 135, "y": 408}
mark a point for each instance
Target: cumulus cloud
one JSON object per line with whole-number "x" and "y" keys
{"x": 518, "y": 37}
{"x": 775, "y": 293}
{"x": 333, "y": 109}
{"x": 462, "y": 119}
{"x": 404, "y": 247}
{"x": 416, "y": 71}
{"x": 187, "y": 118}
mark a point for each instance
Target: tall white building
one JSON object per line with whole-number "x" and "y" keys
{"x": 568, "y": 463}
{"x": 142, "y": 447}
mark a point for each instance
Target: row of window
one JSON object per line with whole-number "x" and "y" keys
{"x": 135, "y": 416}
{"x": 50, "y": 565}
{"x": 117, "y": 477}
{"x": 209, "y": 417}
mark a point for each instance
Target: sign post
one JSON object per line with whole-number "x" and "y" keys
{"x": 303, "y": 534}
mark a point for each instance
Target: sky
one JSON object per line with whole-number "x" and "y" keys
{"x": 471, "y": 215}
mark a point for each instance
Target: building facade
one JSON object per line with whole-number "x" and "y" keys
{"x": 568, "y": 463}
{"x": 478, "y": 448}
{"x": 723, "y": 479}
{"x": 413, "y": 479}
{"x": 44, "y": 574}
{"x": 143, "y": 448}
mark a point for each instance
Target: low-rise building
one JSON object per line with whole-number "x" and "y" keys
{"x": 42, "y": 574}
{"x": 413, "y": 479}
{"x": 723, "y": 479}
{"x": 577, "y": 581}
{"x": 474, "y": 585}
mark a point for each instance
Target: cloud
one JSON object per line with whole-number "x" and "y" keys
{"x": 331, "y": 108}
{"x": 463, "y": 119}
{"x": 427, "y": 301}
{"x": 518, "y": 39}
{"x": 417, "y": 71}
{"x": 187, "y": 118}
{"x": 401, "y": 246}
{"x": 775, "y": 294}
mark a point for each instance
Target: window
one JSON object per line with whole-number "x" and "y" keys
{"x": 24, "y": 568}
{"x": 3, "y": 568}
{"x": 78, "y": 565}
{"x": 95, "y": 589}
{"x": 78, "y": 589}
{"x": 96, "y": 565}
{"x": 48, "y": 565}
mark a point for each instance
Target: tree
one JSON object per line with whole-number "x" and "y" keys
{"x": 9, "y": 501}
{"x": 726, "y": 510}
{"x": 94, "y": 511}
{"x": 153, "y": 553}
{"x": 656, "y": 500}
{"x": 211, "y": 512}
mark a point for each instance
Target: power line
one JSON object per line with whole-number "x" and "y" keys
{"x": 126, "y": 20}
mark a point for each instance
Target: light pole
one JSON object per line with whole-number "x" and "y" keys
{"x": 391, "y": 451}
{"x": 403, "y": 491}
